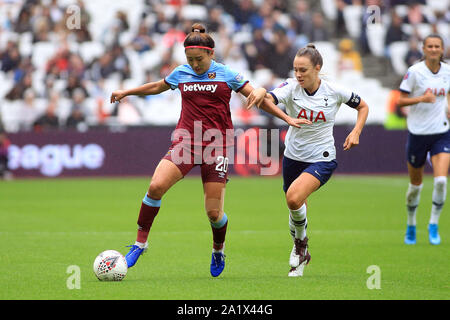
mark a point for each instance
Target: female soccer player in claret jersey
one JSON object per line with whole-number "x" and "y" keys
{"x": 205, "y": 87}
{"x": 310, "y": 155}
{"x": 425, "y": 88}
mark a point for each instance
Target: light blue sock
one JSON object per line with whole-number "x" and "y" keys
{"x": 219, "y": 224}
{"x": 151, "y": 202}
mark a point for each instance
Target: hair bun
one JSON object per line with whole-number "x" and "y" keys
{"x": 310, "y": 45}
{"x": 197, "y": 27}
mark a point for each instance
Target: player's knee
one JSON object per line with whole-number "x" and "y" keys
{"x": 413, "y": 193}
{"x": 440, "y": 189}
{"x": 293, "y": 201}
{"x": 440, "y": 183}
{"x": 213, "y": 215}
{"x": 156, "y": 190}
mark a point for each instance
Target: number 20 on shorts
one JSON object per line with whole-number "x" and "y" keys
{"x": 222, "y": 164}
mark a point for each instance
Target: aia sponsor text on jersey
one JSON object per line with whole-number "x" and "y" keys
{"x": 437, "y": 92}
{"x": 311, "y": 115}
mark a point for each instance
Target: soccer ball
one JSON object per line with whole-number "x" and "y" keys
{"x": 110, "y": 265}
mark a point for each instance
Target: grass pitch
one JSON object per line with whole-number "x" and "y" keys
{"x": 356, "y": 224}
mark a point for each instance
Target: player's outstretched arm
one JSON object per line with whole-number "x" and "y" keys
{"x": 256, "y": 98}
{"x": 353, "y": 137}
{"x": 261, "y": 99}
{"x": 144, "y": 90}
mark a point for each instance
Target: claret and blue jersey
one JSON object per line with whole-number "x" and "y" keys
{"x": 206, "y": 97}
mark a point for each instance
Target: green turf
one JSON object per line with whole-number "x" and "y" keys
{"x": 353, "y": 222}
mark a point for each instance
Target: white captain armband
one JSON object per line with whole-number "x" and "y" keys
{"x": 354, "y": 101}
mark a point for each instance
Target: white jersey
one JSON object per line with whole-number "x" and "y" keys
{"x": 312, "y": 142}
{"x": 427, "y": 118}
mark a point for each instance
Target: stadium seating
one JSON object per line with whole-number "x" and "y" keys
{"x": 352, "y": 19}
{"x": 375, "y": 35}
{"x": 164, "y": 109}
{"x": 398, "y": 50}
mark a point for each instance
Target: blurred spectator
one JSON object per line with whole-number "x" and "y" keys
{"x": 415, "y": 14}
{"x": 27, "y": 110}
{"x": 161, "y": 24}
{"x": 177, "y": 18}
{"x": 82, "y": 34}
{"x": 10, "y": 57}
{"x": 167, "y": 64}
{"x": 256, "y": 20}
{"x": 25, "y": 67}
{"x": 395, "y": 31}
{"x": 76, "y": 66}
{"x": 19, "y": 88}
{"x": 102, "y": 68}
{"x": 214, "y": 19}
{"x": 49, "y": 120}
{"x": 280, "y": 5}
{"x": 42, "y": 25}
{"x": 234, "y": 58}
{"x": 303, "y": 18}
{"x": 121, "y": 22}
{"x": 77, "y": 116}
{"x": 8, "y": 23}
{"x": 73, "y": 84}
{"x": 121, "y": 62}
{"x": 23, "y": 23}
{"x": 257, "y": 51}
{"x": 349, "y": 58}
{"x": 58, "y": 65}
{"x": 281, "y": 56}
{"x": 414, "y": 54}
{"x": 4, "y": 145}
{"x": 117, "y": 27}
{"x": 318, "y": 32}
{"x": 340, "y": 29}
{"x": 142, "y": 41}
{"x": 243, "y": 13}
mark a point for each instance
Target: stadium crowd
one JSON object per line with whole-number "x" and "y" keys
{"x": 59, "y": 62}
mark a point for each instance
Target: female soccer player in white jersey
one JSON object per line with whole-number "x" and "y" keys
{"x": 425, "y": 88}
{"x": 206, "y": 88}
{"x": 310, "y": 155}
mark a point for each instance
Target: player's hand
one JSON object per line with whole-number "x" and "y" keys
{"x": 118, "y": 95}
{"x": 297, "y": 122}
{"x": 428, "y": 97}
{"x": 351, "y": 140}
{"x": 255, "y": 98}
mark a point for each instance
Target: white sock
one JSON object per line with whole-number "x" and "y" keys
{"x": 221, "y": 250}
{"x": 298, "y": 222}
{"x": 439, "y": 195}
{"x": 140, "y": 244}
{"x": 412, "y": 201}
{"x": 291, "y": 227}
